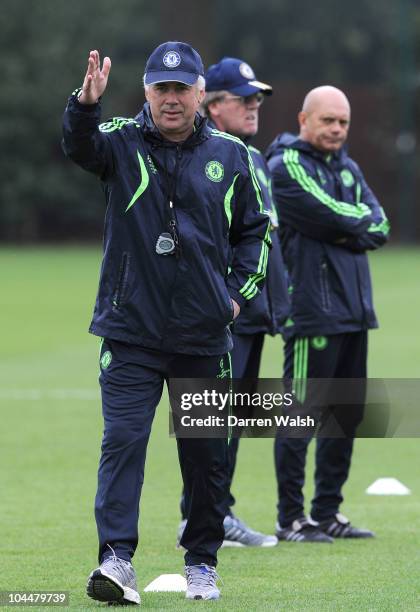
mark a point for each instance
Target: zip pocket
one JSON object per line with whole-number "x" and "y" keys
{"x": 325, "y": 287}
{"x": 232, "y": 311}
{"x": 121, "y": 288}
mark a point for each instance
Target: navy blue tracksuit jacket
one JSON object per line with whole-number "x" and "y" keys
{"x": 328, "y": 219}
{"x": 168, "y": 303}
{"x": 267, "y": 313}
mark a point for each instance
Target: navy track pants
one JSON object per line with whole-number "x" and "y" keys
{"x": 131, "y": 382}
{"x": 246, "y": 358}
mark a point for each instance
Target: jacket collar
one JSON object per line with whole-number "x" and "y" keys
{"x": 213, "y": 126}
{"x": 287, "y": 140}
{"x": 147, "y": 125}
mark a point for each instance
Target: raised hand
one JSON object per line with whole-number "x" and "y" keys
{"x": 96, "y": 79}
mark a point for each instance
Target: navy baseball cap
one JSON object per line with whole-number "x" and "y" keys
{"x": 173, "y": 61}
{"x": 234, "y": 75}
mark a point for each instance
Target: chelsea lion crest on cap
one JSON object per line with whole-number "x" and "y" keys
{"x": 171, "y": 59}
{"x": 246, "y": 71}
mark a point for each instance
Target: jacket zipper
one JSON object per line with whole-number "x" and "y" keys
{"x": 175, "y": 235}
{"x": 173, "y": 223}
{"x": 325, "y": 291}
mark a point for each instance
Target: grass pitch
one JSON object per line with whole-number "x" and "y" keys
{"x": 49, "y": 448}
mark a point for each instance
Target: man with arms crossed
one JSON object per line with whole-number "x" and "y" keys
{"x": 177, "y": 196}
{"x": 329, "y": 218}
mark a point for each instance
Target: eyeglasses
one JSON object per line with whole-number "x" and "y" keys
{"x": 246, "y": 100}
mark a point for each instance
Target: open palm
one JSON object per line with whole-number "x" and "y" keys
{"x": 96, "y": 79}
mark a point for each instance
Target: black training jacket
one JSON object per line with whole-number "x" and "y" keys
{"x": 329, "y": 218}
{"x": 171, "y": 303}
{"x": 269, "y": 311}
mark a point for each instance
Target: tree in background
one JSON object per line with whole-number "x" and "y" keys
{"x": 370, "y": 49}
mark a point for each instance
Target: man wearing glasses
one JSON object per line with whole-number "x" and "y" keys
{"x": 232, "y": 102}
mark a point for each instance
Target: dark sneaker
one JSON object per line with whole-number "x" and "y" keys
{"x": 339, "y": 526}
{"x": 201, "y": 582}
{"x": 239, "y": 534}
{"x": 114, "y": 581}
{"x": 302, "y": 530}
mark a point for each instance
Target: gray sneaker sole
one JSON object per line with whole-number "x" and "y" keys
{"x": 235, "y": 544}
{"x": 104, "y": 588}
{"x": 200, "y": 597}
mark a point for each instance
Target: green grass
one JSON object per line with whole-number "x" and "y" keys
{"x": 49, "y": 449}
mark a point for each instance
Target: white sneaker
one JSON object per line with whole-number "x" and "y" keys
{"x": 114, "y": 581}
{"x": 201, "y": 582}
{"x": 239, "y": 534}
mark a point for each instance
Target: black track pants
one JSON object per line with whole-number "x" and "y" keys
{"x": 337, "y": 356}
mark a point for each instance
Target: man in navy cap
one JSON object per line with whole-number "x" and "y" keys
{"x": 232, "y": 102}
{"x": 178, "y": 195}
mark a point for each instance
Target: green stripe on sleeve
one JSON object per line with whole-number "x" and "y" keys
{"x": 308, "y": 184}
{"x": 383, "y": 227}
{"x": 255, "y": 182}
{"x": 116, "y": 123}
{"x": 250, "y": 289}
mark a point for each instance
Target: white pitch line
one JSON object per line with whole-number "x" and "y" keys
{"x": 45, "y": 394}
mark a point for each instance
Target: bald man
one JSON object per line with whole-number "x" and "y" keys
{"x": 329, "y": 219}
